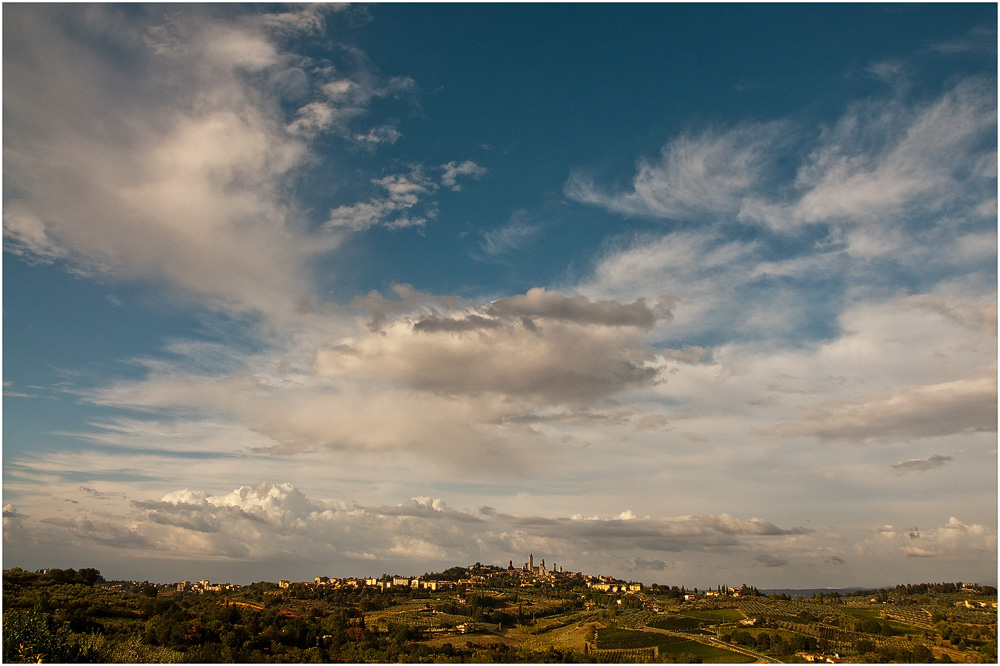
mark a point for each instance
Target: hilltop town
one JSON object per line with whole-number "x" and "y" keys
{"x": 476, "y": 575}
{"x": 528, "y": 613}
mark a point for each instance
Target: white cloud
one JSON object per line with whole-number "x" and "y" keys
{"x": 538, "y": 302}
{"x": 696, "y": 175}
{"x": 885, "y": 161}
{"x": 381, "y": 308}
{"x": 444, "y": 383}
{"x": 510, "y": 237}
{"x": 381, "y": 134}
{"x": 576, "y": 351}
{"x": 412, "y": 548}
{"x": 185, "y": 178}
{"x": 9, "y": 392}
{"x": 265, "y": 521}
{"x": 313, "y": 118}
{"x": 341, "y": 100}
{"x": 921, "y": 464}
{"x": 981, "y": 39}
{"x": 711, "y": 283}
{"x": 887, "y": 71}
{"x": 902, "y": 413}
{"x": 952, "y": 539}
{"x": 305, "y": 19}
{"x": 875, "y": 175}
{"x": 182, "y": 184}
{"x": 452, "y": 171}
{"x": 402, "y": 193}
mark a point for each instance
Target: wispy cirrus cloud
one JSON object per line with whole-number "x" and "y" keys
{"x": 883, "y": 163}
{"x": 719, "y": 287}
{"x": 10, "y": 392}
{"x": 981, "y": 39}
{"x": 884, "y": 160}
{"x": 510, "y": 237}
{"x": 696, "y": 175}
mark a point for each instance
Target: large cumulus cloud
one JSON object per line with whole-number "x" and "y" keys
{"x": 268, "y": 521}
{"x": 542, "y": 347}
{"x": 455, "y": 382}
{"x": 948, "y": 541}
{"x": 184, "y": 184}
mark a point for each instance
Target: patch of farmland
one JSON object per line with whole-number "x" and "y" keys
{"x": 717, "y": 615}
{"x": 708, "y": 653}
{"x": 614, "y": 638}
{"x": 678, "y": 623}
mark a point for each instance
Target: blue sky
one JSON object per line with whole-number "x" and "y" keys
{"x": 688, "y": 294}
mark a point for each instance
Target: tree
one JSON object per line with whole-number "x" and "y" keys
{"x": 89, "y": 576}
{"x": 33, "y": 637}
{"x": 922, "y": 654}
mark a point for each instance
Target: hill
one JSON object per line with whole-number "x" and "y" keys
{"x": 810, "y": 592}
{"x": 482, "y": 614}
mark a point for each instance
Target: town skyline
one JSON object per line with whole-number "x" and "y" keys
{"x": 693, "y": 293}
{"x": 478, "y": 574}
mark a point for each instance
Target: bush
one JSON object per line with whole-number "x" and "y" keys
{"x": 33, "y": 637}
{"x": 129, "y": 651}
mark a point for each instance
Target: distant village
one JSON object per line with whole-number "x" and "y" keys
{"x": 527, "y": 575}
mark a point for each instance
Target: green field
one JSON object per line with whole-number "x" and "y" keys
{"x": 689, "y": 620}
{"x": 716, "y": 616}
{"x": 679, "y": 623}
{"x": 613, "y": 638}
{"x": 864, "y": 614}
{"x": 708, "y": 653}
{"x": 794, "y": 619}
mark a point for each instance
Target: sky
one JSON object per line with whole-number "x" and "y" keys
{"x": 689, "y": 294}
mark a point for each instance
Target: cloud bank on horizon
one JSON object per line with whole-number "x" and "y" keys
{"x": 284, "y": 299}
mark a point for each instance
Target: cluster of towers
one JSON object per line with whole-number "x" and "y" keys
{"x": 529, "y": 566}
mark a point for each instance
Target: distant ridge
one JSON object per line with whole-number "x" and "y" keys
{"x": 808, "y": 592}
